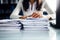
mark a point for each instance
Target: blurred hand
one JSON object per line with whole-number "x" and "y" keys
{"x": 23, "y": 17}
{"x": 36, "y": 15}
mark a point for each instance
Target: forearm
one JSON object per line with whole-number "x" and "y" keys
{"x": 16, "y": 11}
{"x": 15, "y": 16}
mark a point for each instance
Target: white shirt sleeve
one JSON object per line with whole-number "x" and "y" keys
{"x": 51, "y": 13}
{"x": 15, "y": 13}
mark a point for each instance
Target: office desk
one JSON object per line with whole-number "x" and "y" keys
{"x": 24, "y": 35}
{"x": 29, "y": 35}
{"x": 16, "y": 34}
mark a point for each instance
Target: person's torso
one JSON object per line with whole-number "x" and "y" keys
{"x": 31, "y": 9}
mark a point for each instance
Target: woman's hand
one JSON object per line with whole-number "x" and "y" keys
{"x": 23, "y": 17}
{"x": 36, "y": 15}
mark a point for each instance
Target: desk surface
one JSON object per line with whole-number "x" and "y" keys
{"x": 26, "y": 34}
{"x": 23, "y": 35}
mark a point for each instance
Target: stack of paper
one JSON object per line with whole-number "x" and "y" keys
{"x": 29, "y": 23}
{"x": 9, "y": 23}
{"x": 35, "y": 22}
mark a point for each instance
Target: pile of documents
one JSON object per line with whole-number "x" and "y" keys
{"x": 8, "y": 23}
{"x": 35, "y": 22}
{"x": 28, "y": 24}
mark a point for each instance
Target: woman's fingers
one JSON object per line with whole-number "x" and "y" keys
{"x": 36, "y": 15}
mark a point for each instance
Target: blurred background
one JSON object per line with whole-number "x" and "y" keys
{"x": 7, "y": 6}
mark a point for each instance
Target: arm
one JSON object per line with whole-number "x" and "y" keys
{"x": 51, "y": 13}
{"x": 15, "y": 13}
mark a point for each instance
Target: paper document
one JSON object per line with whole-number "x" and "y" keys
{"x": 35, "y": 22}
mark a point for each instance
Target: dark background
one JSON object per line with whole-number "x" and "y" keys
{"x": 58, "y": 15}
{"x": 6, "y": 7}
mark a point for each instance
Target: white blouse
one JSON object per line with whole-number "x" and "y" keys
{"x": 15, "y": 13}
